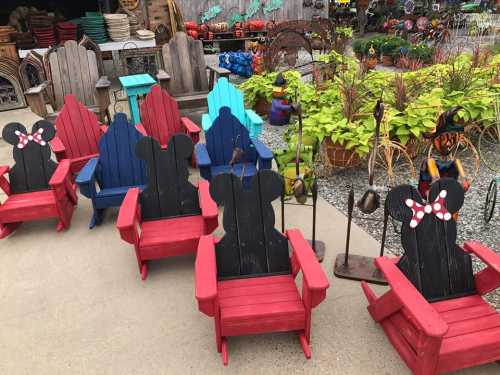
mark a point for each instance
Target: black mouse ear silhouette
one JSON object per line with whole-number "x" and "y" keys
{"x": 45, "y": 130}
{"x": 268, "y": 184}
{"x": 181, "y": 145}
{"x": 146, "y": 148}
{"x": 12, "y": 131}
{"x": 395, "y": 202}
{"x": 222, "y": 187}
{"x": 454, "y": 196}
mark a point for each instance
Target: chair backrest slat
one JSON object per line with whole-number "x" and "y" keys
{"x": 224, "y": 94}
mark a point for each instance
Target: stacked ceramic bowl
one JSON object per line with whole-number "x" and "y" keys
{"x": 93, "y": 26}
{"x": 5, "y": 33}
{"x": 42, "y": 26}
{"x": 134, "y": 25}
{"x": 145, "y": 34}
{"x": 66, "y": 31}
{"x": 118, "y": 27}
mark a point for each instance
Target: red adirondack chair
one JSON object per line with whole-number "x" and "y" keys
{"x": 170, "y": 215}
{"x": 246, "y": 280}
{"x": 161, "y": 119}
{"x": 38, "y": 188}
{"x": 78, "y": 133}
{"x": 433, "y": 313}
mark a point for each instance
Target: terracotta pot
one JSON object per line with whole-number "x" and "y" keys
{"x": 386, "y": 60}
{"x": 262, "y": 107}
{"x": 370, "y": 62}
{"x": 337, "y": 156}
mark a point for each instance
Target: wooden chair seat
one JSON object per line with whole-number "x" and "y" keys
{"x": 40, "y": 204}
{"x": 255, "y": 305}
{"x": 171, "y": 237}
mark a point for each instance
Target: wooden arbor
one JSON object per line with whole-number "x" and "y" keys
{"x": 72, "y": 69}
{"x": 161, "y": 118}
{"x": 78, "y": 133}
{"x": 225, "y": 93}
{"x": 38, "y": 188}
{"x": 246, "y": 279}
{"x": 433, "y": 313}
{"x": 115, "y": 171}
{"x": 169, "y": 217}
{"x": 185, "y": 74}
{"x": 229, "y": 149}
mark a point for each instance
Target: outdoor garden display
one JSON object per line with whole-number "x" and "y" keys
{"x": 73, "y": 69}
{"x": 256, "y": 293}
{"x": 168, "y": 200}
{"x": 115, "y": 171}
{"x": 225, "y": 93}
{"x": 433, "y": 313}
{"x": 230, "y": 149}
{"x": 161, "y": 118}
{"x": 38, "y": 188}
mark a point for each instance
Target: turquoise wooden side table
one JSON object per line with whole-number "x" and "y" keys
{"x": 134, "y": 85}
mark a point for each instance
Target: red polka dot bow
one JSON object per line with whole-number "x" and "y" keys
{"x": 25, "y": 138}
{"x": 437, "y": 208}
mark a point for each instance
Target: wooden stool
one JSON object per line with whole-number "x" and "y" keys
{"x": 134, "y": 85}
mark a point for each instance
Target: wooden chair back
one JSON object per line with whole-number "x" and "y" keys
{"x": 78, "y": 128}
{"x": 168, "y": 192}
{"x": 251, "y": 246}
{"x": 184, "y": 61}
{"x": 224, "y": 94}
{"x": 33, "y": 166}
{"x": 73, "y": 70}
{"x": 432, "y": 260}
{"x": 226, "y": 134}
{"x": 118, "y": 164}
{"x": 160, "y": 115}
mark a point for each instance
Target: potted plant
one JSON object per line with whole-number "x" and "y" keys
{"x": 257, "y": 92}
{"x": 359, "y": 47}
{"x": 342, "y": 35}
{"x": 316, "y": 41}
{"x": 370, "y": 61}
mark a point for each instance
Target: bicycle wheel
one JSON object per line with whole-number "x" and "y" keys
{"x": 489, "y": 146}
{"x": 393, "y": 166}
{"x": 491, "y": 200}
{"x": 467, "y": 153}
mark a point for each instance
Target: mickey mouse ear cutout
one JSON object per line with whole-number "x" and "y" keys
{"x": 271, "y": 184}
{"x": 395, "y": 203}
{"x": 9, "y": 132}
{"x": 45, "y": 129}
{"x": 146, "y": 147}
{"x": 182, "y": 144}
{"x": 455, "y": 193}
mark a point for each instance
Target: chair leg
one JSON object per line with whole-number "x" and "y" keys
{"x": 305, "y": 345}
{"x": 6, "y": 229}
{"x": 225, "y": 354}
{"x": 60, "y": 226}
{"x": 144, "y": 271}
{"x": 96, "y": 218}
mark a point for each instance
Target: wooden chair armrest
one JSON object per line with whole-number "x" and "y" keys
{"x": 313, "y": 275}
{"x": 86, "y": 178}
{"x": 62, "y": 172}
{"x": 162, "y": 75}
{"x": 254, "y": 118}
{"x": 103, "y": 83}
{"x": 103, "y": 128}
{"x": 205, "y": 276}
{"x": 58, "y": 147}
{"x": 262, "y": 151}
{"x": 4, "y": 183}
{"x": 483, "y": 252}
{"x": 190, "y": 126}
{"x": 202, "y": 156}
{"x": 208, "y": 206}
{"x": 62, "y": 182}
{"x": 417, "y": 307}
{"x": 129, "y": 217}
{"x": 223, "y": 72}
{"x": 141, "y": 129}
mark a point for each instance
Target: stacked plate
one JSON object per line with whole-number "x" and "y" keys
{"x": 23, "y": 40}
{"x": 5, "y": 32}
{"x": 93, "y": 26}
{"x": 66, "y": 31}
{"x": 42, "y": 26}
{"x": 118, "y": 26}
{"x": 145, "y": 34}
{"x": 134, "y": 24}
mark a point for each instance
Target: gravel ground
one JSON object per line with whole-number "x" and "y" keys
{"x": 335, "y": 189}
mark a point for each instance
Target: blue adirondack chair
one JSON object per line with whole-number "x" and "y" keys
{"x": 115, "y": 170}
{"x": 222, "y": 139}
{"x": 224, "y": 94}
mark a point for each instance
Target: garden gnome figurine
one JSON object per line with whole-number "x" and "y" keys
{"x": 281, "y": 110}
{"x": 444, "y": 139}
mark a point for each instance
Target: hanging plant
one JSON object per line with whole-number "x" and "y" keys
{"x": 252, "y": 9}
{"x": 211, "y": 13}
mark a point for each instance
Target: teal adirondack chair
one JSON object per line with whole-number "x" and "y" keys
{"x": 224, "y": 94}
